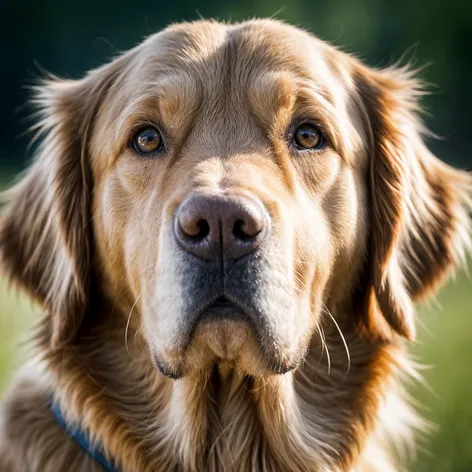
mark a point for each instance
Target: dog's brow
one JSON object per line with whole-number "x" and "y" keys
{"x": 179, "y": 96}
{"x": 170, "y": 100}
{"x": 283, "y": 96}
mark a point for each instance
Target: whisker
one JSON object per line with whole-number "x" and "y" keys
{"x": 129, "y": 319}
{"x": 325, "y": 345}
{"x": 343, "y": 339}
{"x": 318, "y": 328}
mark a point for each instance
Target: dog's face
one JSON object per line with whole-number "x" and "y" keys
{"x": 231, "y": 185}
{"x": 243, "y": 183}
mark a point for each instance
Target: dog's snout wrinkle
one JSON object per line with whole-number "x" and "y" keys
{"x": 211, "y": 227}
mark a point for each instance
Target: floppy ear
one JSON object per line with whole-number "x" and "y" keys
{"x": 419, "y": 206}
{"x": 45, "y": 233}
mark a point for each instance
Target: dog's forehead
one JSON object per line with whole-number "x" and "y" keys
{"x": 209, "y": 74}
{"x": 213, "y": 52}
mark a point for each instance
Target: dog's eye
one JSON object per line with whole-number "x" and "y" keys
{"x": 308, "y": 136}
{"x": 147, "y": 140}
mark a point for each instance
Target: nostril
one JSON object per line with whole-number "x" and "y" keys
{"x": 203, "y": 230}
{"x": 196, "y": 229}
{"x": 243, "y": 231}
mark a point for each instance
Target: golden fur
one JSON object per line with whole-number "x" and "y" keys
{"x": 361, "y": 230}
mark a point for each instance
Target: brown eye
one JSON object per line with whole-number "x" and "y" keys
{"x": 147, "y": 140}
{"x": 308, "y": 136}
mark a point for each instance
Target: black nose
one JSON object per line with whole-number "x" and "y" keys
{"x": 210, "y": 226}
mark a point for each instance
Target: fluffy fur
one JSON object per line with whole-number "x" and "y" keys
{"x": 361, "y": 230}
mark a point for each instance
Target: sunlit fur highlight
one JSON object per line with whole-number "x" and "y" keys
{"x": 344, "y": 407}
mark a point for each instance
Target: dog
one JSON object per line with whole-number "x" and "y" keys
{"x": 227, "y": 227}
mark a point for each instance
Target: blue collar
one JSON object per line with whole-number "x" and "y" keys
{"x": 82, "y": 437}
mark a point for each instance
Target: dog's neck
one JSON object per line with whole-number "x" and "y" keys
{"x": 221, "y": 419}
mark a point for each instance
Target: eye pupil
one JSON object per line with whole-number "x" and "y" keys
{"x": 147, "y": 140}
{"x": 308, "y": 136}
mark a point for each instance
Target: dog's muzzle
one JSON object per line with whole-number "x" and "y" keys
{"x": 222, "y": 238}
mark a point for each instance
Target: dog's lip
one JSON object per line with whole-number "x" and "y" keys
{"x": 164, "y": 369}
{"x": 221, "y": 307}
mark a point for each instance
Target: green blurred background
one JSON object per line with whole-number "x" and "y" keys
{"x": 70, "y": 37}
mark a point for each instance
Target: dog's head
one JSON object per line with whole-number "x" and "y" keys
{"x": 229, "y": 186}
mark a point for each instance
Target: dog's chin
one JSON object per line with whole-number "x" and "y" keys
{"x": 224, "y": 339}
{"x": 226, "y": 342}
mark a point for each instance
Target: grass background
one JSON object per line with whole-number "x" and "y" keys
{"x": 444, "y": 346}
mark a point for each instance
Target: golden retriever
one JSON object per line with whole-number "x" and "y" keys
{"x": 227, "y": 227}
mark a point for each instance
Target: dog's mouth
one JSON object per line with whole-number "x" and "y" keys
{"x": 224, "y": 326}
{"x": 222, "y": 309}
{"x": 229, "y": 332}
